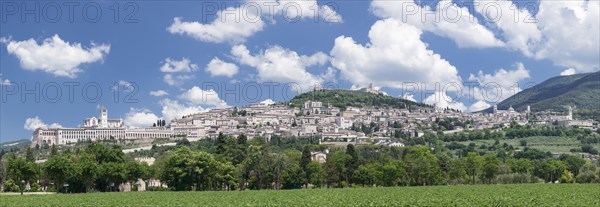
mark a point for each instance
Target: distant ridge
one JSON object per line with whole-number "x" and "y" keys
{"x": 580, "y": 90}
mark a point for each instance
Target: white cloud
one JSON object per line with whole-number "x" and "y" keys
{"x": 268, "y": 102}
{"x": 278, "y": 64}
{"x": 34, "y": 123}
{"x": 175, "y": 66}
{"x": 501, "y": 85}
{"x": 225, "y": 28}
{"x": 172, "y": 109}
{"x": 208, "y": 99}
{"x": 395, "y": 55}
{"x": 217, "y": 67}
{"x": 294, "y": 10}
{"x": 55, "y": 56}
{"x": 478, "y": 106}
{"x": 441, "y": 100}
{"x": 410, "y": 97}
{"x": 125, "y": 86}
{"x": 173, "y": 80}
{"x": 158, "y": 93}
{"x": 140, "y": 118}
{"x": 565, "y": 32}
{"x": 567, "y": 72}
{"x": 4, "y": 82}
{"x": 237, "y": 24}
{"x": 447, "y": 20}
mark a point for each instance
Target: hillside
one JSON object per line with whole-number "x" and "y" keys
{"x": 580, "y": 90}
{"x": 345, "y": 98}
{"x": 6, "y": 146}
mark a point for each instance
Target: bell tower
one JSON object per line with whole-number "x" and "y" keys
{"x": 103, "y": 117}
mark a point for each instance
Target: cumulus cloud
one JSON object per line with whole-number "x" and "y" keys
{"x": 159, "y": 93}
{"x": 176, "y": 80}
{"x": 441, "y": 100}
{"x": 126, "y": 86}
{"x": 236, "y": 24}
{"x": 278, "y": 64}
{"x": 175, "y": 66}
{"x": 500, "y": 85}
{"x": 172, "y": 109}
{"x": 34, "y": 123}
{"x": 478, "y": 106}
{"x": 55, "y": 56}
{"x": 395, "y": 55}
{"x": 446, "y": 20}
{"x": 140, "y": 118}
{"x": 567, "y": 72}
{"x": 225, "y": 28}
{"x": 268, "y": 102}
{"x": 217, "y": 67}
{"x": 208, "y": 98}
{"x": 565, "y": 32}
{"x": 410, "y": 97}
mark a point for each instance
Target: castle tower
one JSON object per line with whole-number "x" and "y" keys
{"x": 495, "y": 109}
{"x": 570, "y": 116}
{"x": 528, "y": 109}
{"x": 103, "y": 117}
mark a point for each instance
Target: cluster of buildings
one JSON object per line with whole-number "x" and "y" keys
{"x": 313, "y": 119}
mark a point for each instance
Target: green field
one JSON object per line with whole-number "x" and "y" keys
{"x": 544, "y": 143}
{"x": 478, "y": 195}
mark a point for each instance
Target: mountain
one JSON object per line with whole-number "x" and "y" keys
{"x": 6, "y": 146}
{"x": 345, "y": 98}
{"x": 580, "y": 90}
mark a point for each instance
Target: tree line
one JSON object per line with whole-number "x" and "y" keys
{"x": 239, "y": 163}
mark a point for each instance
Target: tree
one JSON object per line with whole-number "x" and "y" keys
{"x": 351, "y": 163}
{"x": 574, "y": 163}
{"x": 220, "y": 143}
{"x": 317, "y": 173}
{"x": 473, "y": 164}
{"x": 59, "y": 169}
{"x": 305, "y": 159}
{"x": 555, "y": 168}
{"x": 29, "y": 157}
{"x": 422, "y": 166}
{"x": 53, "y": 150}
{"x": 335, "y": 168}
{"x": 458, "y": 170}
{"x": 490, "y": 167}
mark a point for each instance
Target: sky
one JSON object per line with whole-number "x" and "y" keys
{"x": 61, "y": 61}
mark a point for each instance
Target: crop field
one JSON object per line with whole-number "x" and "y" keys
{"x": 544, "y": 143}
{"x": 478, "y": 195}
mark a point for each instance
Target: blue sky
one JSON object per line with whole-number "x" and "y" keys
{"x": 168, "y": 66}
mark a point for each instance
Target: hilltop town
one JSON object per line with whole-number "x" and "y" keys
{"x": 375, "y": 124}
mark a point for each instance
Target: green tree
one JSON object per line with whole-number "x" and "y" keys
{"x": 574, "y": 163}
{"x": 335, "y": 168}
{"x": 304, "y": 161}
{"x": 29, "y": 157}
{"x": 473, "y": 164}
{"x": 59, "y": 169}
{"x": 422, "y": 166}
{"x": 351, "y": 163}
{"x": 458, "y": 170}
{"x": 317, "y": 174}
{"x": 490, "y": 167}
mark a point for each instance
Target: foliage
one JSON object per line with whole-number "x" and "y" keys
{"x": 462, "y": 195}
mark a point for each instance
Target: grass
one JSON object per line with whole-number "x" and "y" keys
{"x": 544, "y": 143}
{"x": 478, "y": 195}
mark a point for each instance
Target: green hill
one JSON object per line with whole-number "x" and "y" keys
{"x": 6, "y": 146}
{"x": 345, "y": 98}
{"x": 580, "y": 90}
